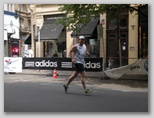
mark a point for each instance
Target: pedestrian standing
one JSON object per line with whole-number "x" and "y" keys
{"x": 30, "y": 52}
{"x": 110, "y": 63}
{"x": 77, "y": 54}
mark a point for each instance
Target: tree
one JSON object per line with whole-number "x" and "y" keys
{"x": 81, "y": 13}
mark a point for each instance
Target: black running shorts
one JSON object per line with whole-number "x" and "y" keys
{"x": 79, "y": 67}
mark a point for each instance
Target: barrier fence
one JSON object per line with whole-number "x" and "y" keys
{"x": 91, "y": 64}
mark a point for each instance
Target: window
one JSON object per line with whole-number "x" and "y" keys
{"x": 124, "y": 42}
{"x": 112, "y": 23}
{"x": 29, "y": 24}
{"x": 93, "y": 47}
{"x": 112, "y": 50}
{"x": 11, "y": 7}
{"x": 21, "y": 7}
{"x": 112, "y": 45}
{"x": 123, "y": 35}
{"x": 112, "y": 36}
{"x": 7, "y": 7}
{"x": 123, "y": 23}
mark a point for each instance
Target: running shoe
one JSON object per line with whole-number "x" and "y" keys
{"x": 65, "y": 88}
{"x": 87, "y": 91}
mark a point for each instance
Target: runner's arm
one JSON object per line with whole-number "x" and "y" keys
{"x": 74, "y": 48}
{"x": 87, "y": 53}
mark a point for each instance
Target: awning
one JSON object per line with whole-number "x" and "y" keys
{"x": 50, "y": 31}
{"x": 28, "y": 40}
{"x": 87, "y": 31}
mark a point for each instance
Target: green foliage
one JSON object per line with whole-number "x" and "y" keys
{"x": 81, "y": 13}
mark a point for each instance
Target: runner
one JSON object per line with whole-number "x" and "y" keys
{"x": 80, "y": 51}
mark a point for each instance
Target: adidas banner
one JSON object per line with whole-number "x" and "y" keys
{"x": 91, "y": 64}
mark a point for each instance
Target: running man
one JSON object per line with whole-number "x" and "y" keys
{"x": 80, "y": 51}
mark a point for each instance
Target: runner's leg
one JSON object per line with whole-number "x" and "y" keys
{"x": 72, "y": 77}
{"x": 83, "y": 80}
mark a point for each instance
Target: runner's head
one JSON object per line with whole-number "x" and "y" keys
{"x": 81, "y": 40}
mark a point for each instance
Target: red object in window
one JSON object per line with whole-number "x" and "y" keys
{"x": 15, "y": 50}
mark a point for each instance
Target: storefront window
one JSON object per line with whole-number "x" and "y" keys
{"x": 93, "y": 46}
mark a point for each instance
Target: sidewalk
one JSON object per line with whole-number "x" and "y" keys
{"x": 93, "y": 79}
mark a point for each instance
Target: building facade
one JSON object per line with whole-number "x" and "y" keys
{"x": 23, "y": 12}
{"x": 11, "y": 31}
{"x": 17, "y": 29}
{"x": 124, "y": 39}
{"x": 49, "y": 39}
{"x": 59, "y": 41}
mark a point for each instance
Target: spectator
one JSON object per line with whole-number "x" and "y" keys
{"x": 30, "y": 51}
{"x": 110, "y": 63}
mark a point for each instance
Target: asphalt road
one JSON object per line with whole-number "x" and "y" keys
{"x": 39, "y": 93}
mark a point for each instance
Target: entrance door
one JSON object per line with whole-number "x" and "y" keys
{"x": 112, "y": 47}
{"x": 117, "y": 31}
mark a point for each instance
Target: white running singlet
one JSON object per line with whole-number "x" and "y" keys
{"x": 80, "y": 53}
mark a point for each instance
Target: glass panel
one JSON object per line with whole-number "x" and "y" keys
{"x": 123, "y": 22}
{"x": 123, "y": 35}
{"x": 112, "y": 23}
{"x": 112, "y": 44}
{"x": 112, "y": 48}
{"x": 112, "y": 36}
{"x": 124, "y": 46}
{"x": 93, "y": 47}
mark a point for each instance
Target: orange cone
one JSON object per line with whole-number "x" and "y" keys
{"x": 54, "y": 74}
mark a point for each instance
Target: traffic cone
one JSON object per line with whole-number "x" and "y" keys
{"x": 54, "y": 73}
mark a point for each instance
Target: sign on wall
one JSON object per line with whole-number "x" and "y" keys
{"x": 11, "y": 24}
{"x": 12, "y": 64}
{"x": 91, "y": 64}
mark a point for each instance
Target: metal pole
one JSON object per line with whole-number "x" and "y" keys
{"x": 120, "y": 52}
{"x": 20, "y": 39}
{"x": 104, "y": 57}
{"x": 39, "y": 40}
{"x": 119, "y": 40}
{"x": 38, "y": 29}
